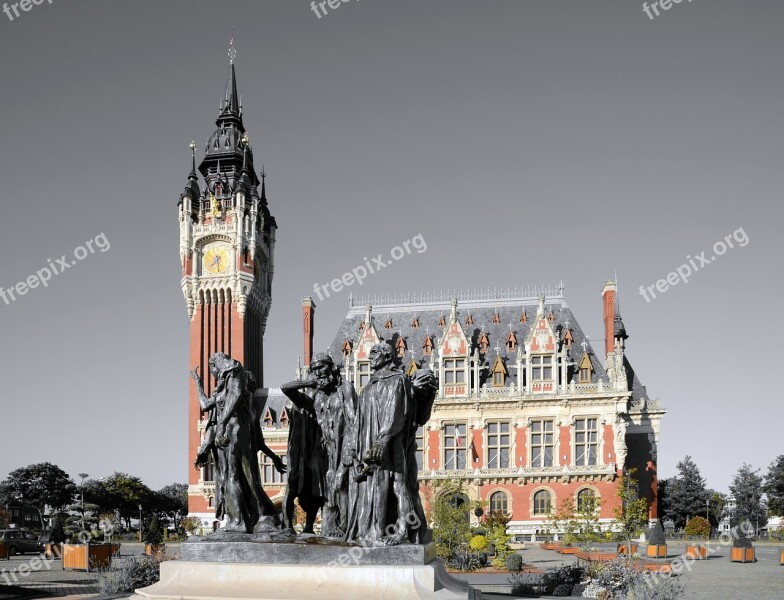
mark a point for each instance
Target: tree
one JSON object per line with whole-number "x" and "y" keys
{"x": 631, "y": 516}
{"x": 153, "y": 535}
{"x": 686, "y": 494}
{"x": 774, "y": 487}
{"x": 57, "y": 535}
{"x": 451, "y": 522}
{"x": 718, "y": 502}
{"x": 172, "y": 502}
{"x": 746, "y": 488}
{"x": 38, "y": 485}
{"x": 125, "y": 494}
{"x": 698, "y": 527}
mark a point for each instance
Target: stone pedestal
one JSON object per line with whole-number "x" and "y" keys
{"x": 310, "y": 569}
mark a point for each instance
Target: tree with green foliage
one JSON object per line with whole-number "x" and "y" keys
{"x": 172, "y": 503}
{"x": 718, "y": 502}
{"x": 451, "y": 521}
{"x": 685, "y": 494}
{"x": 698, "y": 528}
{"x": 747, "y": 490}
{"x": 774, "y": 487}
{"x": 125, "y": 493}
{"x": 631, "y": 516}
{"x": 153, "y": 535}
{"x": 39, "y": 485}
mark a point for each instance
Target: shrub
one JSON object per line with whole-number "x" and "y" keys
{"x": 478, "y": 543}
{"x": 514, "y": 563}
{"x": 57, "y": 535}
{"x": 740, "y": 538}
{"x": 698, "y": 527}
{"x": 656, "y": 536}
{"x": 563, "y": 590}
{"x": 466, "y": 561}
{"x": 154, "y": 535}
{"x": 125, "y": 576}
{"x": 500, "y": 540}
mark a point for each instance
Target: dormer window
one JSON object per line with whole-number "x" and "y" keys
{"x": 484, "y": 343}
{"x": 511, "y": 342}
{"x": 388, "y": 324}
{"x": 567, "y": 338}
{"x": 268, "y": 420}
{"x": 400, "y": 346}
{"x": 523, "y": 317}
{"x": 427, "y": 346}
{"x": 585, "y": 369}
{"x": 415, "y": 323}
{"x": 496, "y": 318}
{"x": 284, "y": 418}
{"x": 362, "y": 325}
{"x": 499, "y": 373}
{"x": 346, "y": 349}
{"x": 470, "y": 319}
{"x": 442, "y": 321}
{"x": 551, "y": 316}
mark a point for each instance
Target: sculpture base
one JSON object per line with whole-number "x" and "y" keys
{"x": 187, "y": 580}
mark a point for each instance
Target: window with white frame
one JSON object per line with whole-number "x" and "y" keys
{"x": 454, "y": 370}
{"x": 499, "y": 445}
{"x": 542, "y": 442}
{"x": 499, "y": 503}
{"x": 269, "y": 474}
{"x": 543, "y": 500}
{"x": 363, "y": 374}
{"x": 455, "y": 447}
{"x": 542, "y": 367}
{"x": 420, "y": 448}
{"x": 586, "y": 441}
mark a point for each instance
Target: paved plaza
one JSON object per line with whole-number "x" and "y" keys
{"x": 713, "y": 579}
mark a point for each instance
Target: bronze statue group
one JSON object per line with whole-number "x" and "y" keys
{"x": 353, "y": 457}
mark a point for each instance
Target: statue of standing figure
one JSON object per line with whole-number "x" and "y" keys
{"x": 234, "y": 438}
{"x": 330, "y": 400}
{"x": 384, "y": 504}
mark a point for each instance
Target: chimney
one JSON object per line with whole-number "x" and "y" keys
{"x": 308, "y": 309}
{"x": 608, "y": 300}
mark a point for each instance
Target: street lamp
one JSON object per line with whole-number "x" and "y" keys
{"x": 81, "y": 487}
{"x": 140, "y": 522}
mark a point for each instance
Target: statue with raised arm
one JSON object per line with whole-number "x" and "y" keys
{"x": 330, "y": 400}
{"x": 234, "y": 441}
{"x": 384, "y": 505}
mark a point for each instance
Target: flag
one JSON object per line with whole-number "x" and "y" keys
{"x": 458, "y": 437}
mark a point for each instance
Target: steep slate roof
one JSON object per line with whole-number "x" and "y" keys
{"x": 273, "y": 399}
{"x": 482, "y": 307}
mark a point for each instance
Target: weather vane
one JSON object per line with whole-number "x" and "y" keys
{"x": 232, "y": 52}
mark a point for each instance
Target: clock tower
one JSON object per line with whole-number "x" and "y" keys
{"x": 227, "y": 242}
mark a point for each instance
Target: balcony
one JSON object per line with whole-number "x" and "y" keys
{"x": 523, "y": 474}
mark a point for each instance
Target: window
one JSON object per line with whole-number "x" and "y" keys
{"x": 284, "y": 417}
{"x": 542, "y": 442}
{"x": 269, "y": 475}
{"x": 415, "y": 323}
{"x": 388, "y": 324}
{"x": 543, "y": 500}
{"x": 268, "y": 421}
{"x": 420, "y": 447}
{"x": 470, "y": 319}
{"x": 363, "y": 374}
{"x": 401, "y": 347}
{"x": 484, "y": 343}
{"x": 209, "y": 469}
{"x": 523, "y": 317}
{"x": 346, "y": 349}
{"x": 586, "y": 501}
{"x": 511, "y": 341}
{"x": 29, "y": 517}
{"x": 498, "y": 379}
{"x": 496, "y": 318}
{"x": 542, "y": 367}
{"x": 454, "y": 447}
{"x": 586, "y": 441}
{"x": 499, "y": 443}
{"x": 499, "y": 503}
{"x": 585, "y": 369}
{"x": 454, "y": 370}
{"x": 442, "y": 321}
{"x": 427, "y": 346}
{"x": 499, "y": 372}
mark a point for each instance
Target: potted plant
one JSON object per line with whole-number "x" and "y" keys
{"x": 86, "y": 556}
{"x": 657, "y": 543}
{"x": 153, "y": 538}
{"x": 53, "y": 548}
{"x": 742, "y": 550}
{"x": 697, "y": 529}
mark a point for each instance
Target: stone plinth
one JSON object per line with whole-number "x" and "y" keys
{"x": 244, "y": 581}
{"x": 304, "y": 569}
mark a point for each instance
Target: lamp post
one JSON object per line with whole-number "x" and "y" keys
{"x": 140, "y": 522}
{"x": 81, "y": 488}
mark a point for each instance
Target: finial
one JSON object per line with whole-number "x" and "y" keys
{"x": 584, "y": 345}
{"x": 232, "y": 52}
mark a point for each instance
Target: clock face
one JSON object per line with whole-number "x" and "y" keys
{"x": 216, "y": 260}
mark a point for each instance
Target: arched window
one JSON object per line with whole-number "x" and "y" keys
{"x": 543, "y": 500}
{"x": 586, "y": 501}
{"x": 499, "y": 503}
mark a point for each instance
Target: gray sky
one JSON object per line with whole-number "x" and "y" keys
{"x": 527, "y": 141}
